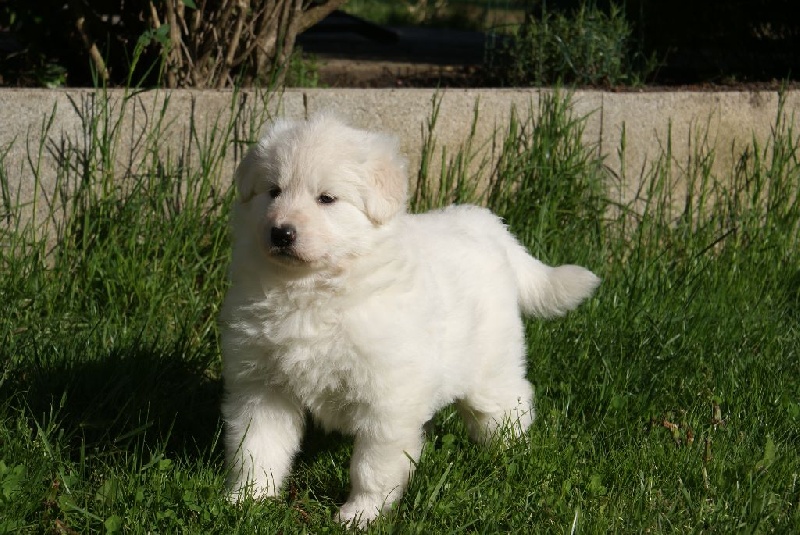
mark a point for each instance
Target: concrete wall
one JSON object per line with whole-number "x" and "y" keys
{"x": 37, "y": 125}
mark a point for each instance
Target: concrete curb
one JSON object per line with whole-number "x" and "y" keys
{"x": 38, "y": 124}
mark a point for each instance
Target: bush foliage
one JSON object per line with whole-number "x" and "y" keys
{"x": 221, "y": 43}
{"x": 172, "y": 43}
{"x": 587, "y": 46}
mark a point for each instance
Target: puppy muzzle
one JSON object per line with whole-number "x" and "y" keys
{"x": 283, "y": 236}
{"x": 282, "y": 244}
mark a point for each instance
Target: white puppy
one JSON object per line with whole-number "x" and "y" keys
{"x": 344, "y": 306}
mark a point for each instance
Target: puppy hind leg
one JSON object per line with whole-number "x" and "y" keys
{"x": 502, "y": 410}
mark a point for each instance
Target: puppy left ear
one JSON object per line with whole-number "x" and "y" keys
{"x": 257, "y": 161}
{"x": 388, "y": 184}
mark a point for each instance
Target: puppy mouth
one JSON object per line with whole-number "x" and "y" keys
{"x": 286, "y": 254}
{"x": 289, "y": 257}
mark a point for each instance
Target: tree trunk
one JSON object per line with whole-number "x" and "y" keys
{"x": 223, "y": 42}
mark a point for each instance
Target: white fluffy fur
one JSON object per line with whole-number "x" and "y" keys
{"x": 372, "y": 319}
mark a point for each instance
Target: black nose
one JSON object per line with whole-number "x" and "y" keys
{"x": 283, "y": 236}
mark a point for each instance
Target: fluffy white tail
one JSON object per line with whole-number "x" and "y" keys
{"x": 547, "y": 291}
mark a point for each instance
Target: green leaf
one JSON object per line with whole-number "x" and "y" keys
{"x": 107, "y": 492}
{"x": 596, "y": 486}
{"x": 769, "y": 455}
{"x": 113, "y": 524}
{"x": 10, "y": 479}
{"x": 448, "y": 441}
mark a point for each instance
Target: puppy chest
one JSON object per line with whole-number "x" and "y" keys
{"x": 311, "y": 353}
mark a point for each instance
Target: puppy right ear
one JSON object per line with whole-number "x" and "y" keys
{"x": 388, "y": 183}
{"x": 257, "y": 161}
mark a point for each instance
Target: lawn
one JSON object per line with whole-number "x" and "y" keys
{"x": 670, "y": 402}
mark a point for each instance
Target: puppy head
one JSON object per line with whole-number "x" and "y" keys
{"x": 314, "y": 192}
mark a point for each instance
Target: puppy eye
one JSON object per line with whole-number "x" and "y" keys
{"x": 326, "y": 199}
{"x": 274, "y": 192}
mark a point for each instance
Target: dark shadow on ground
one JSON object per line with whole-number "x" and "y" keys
{"x": 153, "y": 400}
{"x": 132, "y": 397}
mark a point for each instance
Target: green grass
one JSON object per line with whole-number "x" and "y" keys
{"x": 668, "y": 403}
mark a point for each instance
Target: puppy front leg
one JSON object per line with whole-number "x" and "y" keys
{"x": 379, "y": 472}
{"x": 263, "y": 430}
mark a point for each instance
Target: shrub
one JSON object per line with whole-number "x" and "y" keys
{"x": 584, "y": 47}
{"x": 174, "y": 43}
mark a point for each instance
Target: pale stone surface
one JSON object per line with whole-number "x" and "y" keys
{"x": 683, "y": 124}
{"x": 43, "y": 127}
{"x": 38, "y": 125}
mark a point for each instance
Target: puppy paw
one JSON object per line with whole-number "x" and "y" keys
{"x": 250, "y": 490}
{"x": 358, "y": 513}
